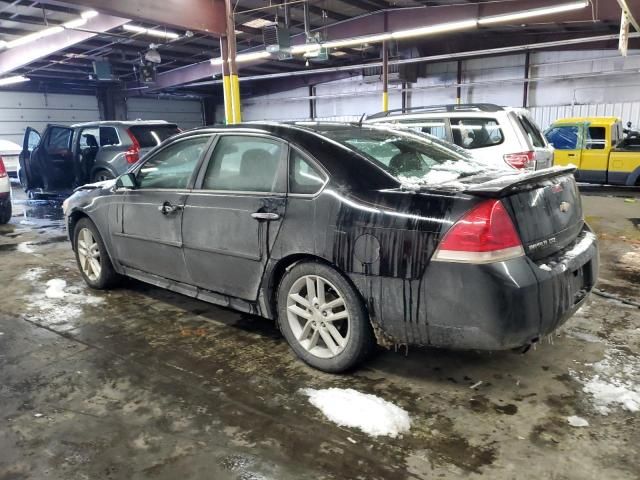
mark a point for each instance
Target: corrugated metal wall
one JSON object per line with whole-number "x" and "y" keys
{"x": 21, "y": 110}
{"x": 629, "y": 112}
{"x": 186, "y": 113}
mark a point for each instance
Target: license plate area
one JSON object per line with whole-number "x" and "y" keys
{"x": 580, "y": 282}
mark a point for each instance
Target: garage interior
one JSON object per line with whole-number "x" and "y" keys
{"x": 141, "y": 382}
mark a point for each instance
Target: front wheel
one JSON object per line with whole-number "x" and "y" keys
{"x": 92, "y": 257}
{"x": 323, "y": 319}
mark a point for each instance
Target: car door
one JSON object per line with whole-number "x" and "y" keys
{"x": 53, "y": 158}
{"x": 567, "y": 143}
{"x": 624, "y": 161}
{"x": 595, "y": 155}
{"x": 148, "y": 236}
{"x": 232, "y": 219}
{"x": 27, "y": 174}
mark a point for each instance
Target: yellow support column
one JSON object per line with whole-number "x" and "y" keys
{"x": 226, "y": 82}
{"x": 385, "y": 77}
{"x": 235, "y": 91}
{"x": 233, "y": 68}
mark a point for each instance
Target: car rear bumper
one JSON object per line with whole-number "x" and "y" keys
{"x": 508, "y": 304}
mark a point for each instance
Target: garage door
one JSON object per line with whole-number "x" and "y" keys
{"x": 186, "y": 113}
{"x": 21, "y": 110}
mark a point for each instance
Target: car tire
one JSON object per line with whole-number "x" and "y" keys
{"x": 92, "y": 258}
{"x": 332, "y": 313}
{"x": 5, "y": 212}
{"x": 101, "y": 176}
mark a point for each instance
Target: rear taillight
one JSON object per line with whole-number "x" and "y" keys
{"x": 522, "y": 160}
{"x": 3, "y": 170}
{"x": 133, "y": 154}
{"x": 484, "y": 234}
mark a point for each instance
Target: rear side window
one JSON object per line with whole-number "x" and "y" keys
{"x": 246, "y": 164}
{"x": 304, "y": 177}
{"x": 564, "y": 138}
{"x": 473, "y": 133}
{"x": 596, "y": 138}
{"x": 532, "y": 131}
{"x": 149, "y": 136}
{"x": 172, "y": 166}
{"x": 59, "y": 139}
{"x": 432, "y": 126}
{"x": 89, "y": 138}
{"x": 108, "y": 136}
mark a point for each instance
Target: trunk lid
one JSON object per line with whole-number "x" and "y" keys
{"x": 545, "y": 207}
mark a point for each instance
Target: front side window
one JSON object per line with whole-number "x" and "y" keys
{"x": 173, "y": 166}
{"x": 596, "y": 138}
{"x": 33, "y": 140}
{"x": 431, "y": 126}
{"x": 473, "y": 133}
{"x": 89, "y": 138}
{"x": 59, "y": 139}
{"x": 304, "y": 177}
{"x": 564, "y": 137}
{"x": 246, "y": 164}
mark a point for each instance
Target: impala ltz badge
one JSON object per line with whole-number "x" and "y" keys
{"x": 565, "y": 207}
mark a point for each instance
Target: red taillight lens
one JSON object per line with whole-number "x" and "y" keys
{"x": 3, "y": 170}
{"x": 484, "y": 234}
{"x": 133, "y": 154}
{"x": 521, "y": 160}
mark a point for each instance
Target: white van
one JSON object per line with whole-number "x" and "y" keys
{"x": 499, "y": 136}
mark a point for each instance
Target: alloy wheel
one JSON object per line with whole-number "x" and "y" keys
{"x": 318, "y": 316}
{"x": 89, "y": 254}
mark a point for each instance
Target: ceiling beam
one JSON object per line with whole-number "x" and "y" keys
{"x": 20, "y": 56}
{"x": 197, "y": 15}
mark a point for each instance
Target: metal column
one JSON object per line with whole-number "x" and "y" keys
{"x": 226, "y": 81}
{"x": 385, "y": 77}
{"x": 233, "y": 68}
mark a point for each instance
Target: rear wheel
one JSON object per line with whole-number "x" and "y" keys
{"x": 102, "y": 175}
{"x": 92, "y": 257}
{"x": 323, "y": 319}
{"x": 5, "y": 212}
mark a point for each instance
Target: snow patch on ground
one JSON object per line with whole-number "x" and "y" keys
{"x": 25, "y": 247}
{"x": 616, "y": 382}
{"x": 631, "y": 259}
{"x": 575, "y": 421}
{"x": 33, "y": 274}
{"x": 350, "y": 408}
{"x": 55, "y": 288}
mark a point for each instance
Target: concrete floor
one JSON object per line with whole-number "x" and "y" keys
{"x": 143, "y": 383}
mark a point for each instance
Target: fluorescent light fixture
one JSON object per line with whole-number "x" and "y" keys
{"x": 534, "y": 12}
{"x": 244, "y": 57}
{"x": 357, "y": 40}
{"x": 12, "y": 80}
{"x": 258, "y": 23}
{"x": 150, "y": 31}
{"x": 78, "y": 22}
{"x": 432, "y": 29}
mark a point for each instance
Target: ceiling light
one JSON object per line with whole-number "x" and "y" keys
{"x": 78, "y": 22}
{"x": 150, "y": 31}
{"x": 247, "y": 57}
{"x": 89, "y": 14}
{"x": 534, "y": 12}
{"x": 357, "y": 40}
{"x": 258, "y": 23}
{"x": 12, "y": 80}
{"x": 432, "y": 29}
{"x": 338, "y": 53}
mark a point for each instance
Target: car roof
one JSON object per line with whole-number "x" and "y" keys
{"x": 449, "y": 108}
{"x": 591, "y": 120}
{"x": 116, "y": 123}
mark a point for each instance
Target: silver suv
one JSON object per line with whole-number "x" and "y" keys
{"x": 64, "y": 157}
{"x": 499, "y": 136}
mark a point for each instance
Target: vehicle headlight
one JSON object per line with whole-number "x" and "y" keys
{"x": 65, "y": 205}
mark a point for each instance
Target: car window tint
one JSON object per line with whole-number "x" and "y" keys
{"x": 532, "y": 131}
{"x": 596, "y": 138}
{"x": 304, "y": 177}
{"x": 108, "y": 136}
{"x": 33, "y": 140}
{"x": 564, "y": 138}
{"x": 149, "y": 136}
{"x": 59, "y": 139}
{"x": 245, "y": 164}
{"x": 431, "y": 126}
{"x": 89, "y": 138}
{"x": 172, "y": 166}
{"x": 473, "y": 133}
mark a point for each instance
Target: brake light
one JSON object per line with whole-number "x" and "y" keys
{"x": 522, "y": 160}
{"x": 484, "y": 234}
{"x": 3, "y": 170}
{"x": 133, "y": 154}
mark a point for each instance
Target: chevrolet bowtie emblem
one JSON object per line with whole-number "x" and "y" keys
{"x": 565, "y": 207}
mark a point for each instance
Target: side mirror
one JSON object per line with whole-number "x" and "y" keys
{"x": 128, "y": 180}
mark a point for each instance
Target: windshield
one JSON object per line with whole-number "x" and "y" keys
{"x": 414, "y": 159}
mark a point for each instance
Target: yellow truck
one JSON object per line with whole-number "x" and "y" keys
{"x": 599, "y": 148}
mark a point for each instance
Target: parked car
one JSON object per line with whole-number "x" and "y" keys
{"x": 10, "y": 152}
{"x": 5, "y": 195}
{"x": 499, "y": 136}
{"x": 324, "y": 227}
{"x": 599, "y": 149}
{"x": 64, "y": 157}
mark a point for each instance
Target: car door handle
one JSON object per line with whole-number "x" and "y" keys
{"x": 571, "y": 154}
{"x": 265, "y": 216}
{"x": 167, "y": 208}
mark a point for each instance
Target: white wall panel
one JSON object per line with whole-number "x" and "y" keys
{"x": 185, "y": 113}
{"x": 627, "y": 111}
{"x": 21, "y": 110}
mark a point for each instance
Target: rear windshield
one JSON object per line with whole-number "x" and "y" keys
{"x": 532, "y": 131}
{"x": 471, "y": 133}
{"x": 149, "y": 136}
{"x": 412, "y": 158}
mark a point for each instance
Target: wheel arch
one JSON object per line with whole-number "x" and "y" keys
{"x": 73, "y": 218}
{"x": 106, "y": 168}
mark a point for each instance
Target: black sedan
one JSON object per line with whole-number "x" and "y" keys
{"x": 347, "y": 235}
